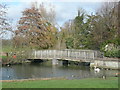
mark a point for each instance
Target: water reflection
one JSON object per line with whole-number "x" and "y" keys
{"x": 46, "y": 70}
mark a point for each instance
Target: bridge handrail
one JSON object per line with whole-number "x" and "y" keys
{"x": 66, "y": 54}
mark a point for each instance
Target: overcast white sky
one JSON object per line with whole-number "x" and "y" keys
{"x": 65, "y": 9}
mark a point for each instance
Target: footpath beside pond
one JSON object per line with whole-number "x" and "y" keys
{"x": 111, "y": 82}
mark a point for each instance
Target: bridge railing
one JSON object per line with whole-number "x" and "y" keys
{"x": 66, "y": 54}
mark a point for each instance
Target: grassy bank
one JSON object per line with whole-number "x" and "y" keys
{"x": 83, "y": 83}
{"x": 3, "y": 57}
{"x": 21, "y": 55}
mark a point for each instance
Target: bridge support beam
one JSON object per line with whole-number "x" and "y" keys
{"x": 54, "y": 62}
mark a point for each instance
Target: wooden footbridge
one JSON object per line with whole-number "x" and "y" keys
{"x": 69, "y": 54}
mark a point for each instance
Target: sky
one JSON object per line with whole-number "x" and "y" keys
{"x": 65, "y": 9}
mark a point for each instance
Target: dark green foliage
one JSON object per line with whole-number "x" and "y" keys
{"x": 115, "y": 41}
{"x": 81, "y": 32}
{"x": 69, "y": 43}
{"x": 79, "y": 20}
{"x": 112, "y": 53}
{"x": 93, "y": 31}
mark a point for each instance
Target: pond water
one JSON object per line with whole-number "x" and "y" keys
{"x": 47, "y": 70}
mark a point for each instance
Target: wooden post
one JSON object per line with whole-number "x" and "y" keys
{"x": 41, "y": 54}
{"x": 93, "y": 55}
{"x": 46, "y": 54}
{"x": 79, "y": 54}
{"x": 76, "y": 55}
{"x": 54, "y": 53}
{"x": 68, "y": 54}
{"x": 84, "y": 55}
{"x": 60, "y": 54}
{"x": 35, "y": 54}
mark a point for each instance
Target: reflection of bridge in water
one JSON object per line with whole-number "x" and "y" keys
{"x": 70, "y": 55}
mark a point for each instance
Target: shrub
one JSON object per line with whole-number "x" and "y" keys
{"x": 69, "y": 43}
{"x": 112, "y": 53}
{"x": 111, "y": 48}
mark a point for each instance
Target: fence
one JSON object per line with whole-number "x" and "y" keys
{"x": 68, "y": 54}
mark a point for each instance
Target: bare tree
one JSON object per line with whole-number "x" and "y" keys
{"x": 4, "y": 22}
{"x": 48, "y": 12}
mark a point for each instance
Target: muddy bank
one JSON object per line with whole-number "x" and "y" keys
{"x": 32, "y": 79}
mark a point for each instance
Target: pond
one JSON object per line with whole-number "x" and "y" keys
{"x": 47, "y": 70}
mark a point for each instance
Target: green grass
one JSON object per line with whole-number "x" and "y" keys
{"x": 6, "y": 48}
{"x": 3, "y": 57}
{"x": 12, "y": 49}
{"x": 83, "y": 83}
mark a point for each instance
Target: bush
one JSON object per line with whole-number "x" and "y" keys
{"x": 112, "y": 53}
{"x": 112, "y": 49}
